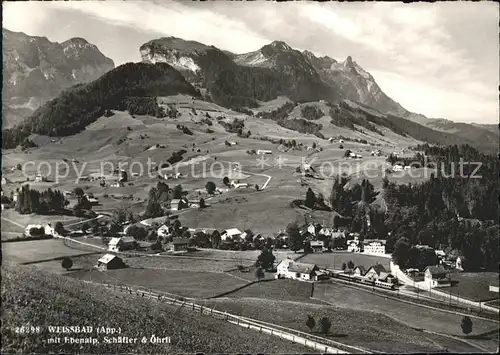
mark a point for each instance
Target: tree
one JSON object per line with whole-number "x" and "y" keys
{"x": 325, "y": 325}
{"x": 59, "y": 228}
{"x": 176, "y": 225}
{"x": 67, "y": 263}
{"x": 341, "y": 146}
{"x": 344, "y": 266}
{"x": 210, "y": 186}
{"x": 347, "y": 153}
{"x": 259, "y": 274}
{"x": 215, "y": 239}
{"x": 178, "y": 192}
{"x": 401, "y": 252}
{"x": 466, "y": 325}
{"x": 350, "y": 265}
{"x": 310, "y": 198}
{"x": 266, "y": 259}
{"x": 296, "y": 239}
{"x": 202, "y": 203}
{"x": 85, "y": 227}
{"x": 78, "y": 191}
{"x": 310, "y": 322}
{"x": 256, "y": 187}
{"x": 226, "y": 181}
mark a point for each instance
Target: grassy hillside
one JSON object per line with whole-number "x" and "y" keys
{"x": 30, "y": 297}
{"x": 81, "y": 105}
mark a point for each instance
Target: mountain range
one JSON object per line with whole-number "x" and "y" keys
{"x": 36, "y": 70}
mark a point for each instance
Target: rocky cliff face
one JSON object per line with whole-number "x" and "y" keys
{"x": 36, "y": 70}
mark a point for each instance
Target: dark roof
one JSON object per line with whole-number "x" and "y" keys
{"x": 378, "y": 268}
{"x": 361, "y": 268}
{"x": 302, "y": 268}
{"x": 179, "y": 241}
{"x": 436, "y": 270}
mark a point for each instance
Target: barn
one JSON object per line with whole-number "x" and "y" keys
{"x": 110, "y": 262}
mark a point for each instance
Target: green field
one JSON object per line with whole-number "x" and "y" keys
{"x": 368, "y": 330}
{"x": 289, "y": 290}
{"x": 473, "y": 285}
{"x": 184, "y": 283}
{"x": 39, "y": 250}
{"x": 415, "y": 316}
{"x": 335, "y": 259}
{"x": 35, "y": 298}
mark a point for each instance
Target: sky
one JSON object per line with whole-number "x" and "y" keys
{"x": 438, "y": 59}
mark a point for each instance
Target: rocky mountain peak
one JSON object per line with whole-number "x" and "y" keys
{"x": 281, "y": 46}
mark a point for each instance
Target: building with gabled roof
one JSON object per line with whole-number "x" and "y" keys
{"x": 232, "y": 233}
{"x": 110, "y": 262}
{"x": 289, "y": 269}
{"x": 122, "y": 244}
{"x": 179, "y": 244}
{"x": 359, "y": 270}
{"x": 374, "y": 271}
{"x": 437, "y": 276}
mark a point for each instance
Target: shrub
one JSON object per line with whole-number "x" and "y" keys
{"x": 67, "y": 263}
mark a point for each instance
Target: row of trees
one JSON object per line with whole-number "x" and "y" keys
{"x": 458, "y": 213}
{"x": 33, "y": 201}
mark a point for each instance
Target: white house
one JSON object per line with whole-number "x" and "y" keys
{"x": 263, "y": 151}
{"x": 232, "y": 233}
{"x": 374, "y": 246}
{"x": 40, "y": 178}
{"x": 311, "y": 228}
{"x": 494, "y": 287}
{"x": 289, "y": 269}
{"x": 436, "y": 276}
{"x": 352, "y": 155}
{"x": 327, "y": 232}
{"x": 47, "y": 229}
{"x": 163, "y": 231}
{"x": 239, "y": 185}
{"x": 4, "y": 181}
{"x": 109, "y": 262}
{"x": 123, "y": 243}
{"x": 397, "y": 167}
{"x": 337, "y": 235}
{"x": 317, "y": 245}
{"x": 354, "y": 245}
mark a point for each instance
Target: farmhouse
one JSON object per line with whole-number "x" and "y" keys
{"x": 239, "y": 185}
{"x": 435, "y": 276}
{"x": 263, "y": 151}
{"x": 374, "y": 246}
{"x": 397, "y": 167}
{"x": 40, "y": 178}
{"x": 354, "y": 245}
{"x": 375, "y": 272}
{"x": 317, "y": 245}
{"x": 494, "y": 287}
{"x": 179, "y": 244}
{"x": 41, "y": 230}
{"x": 163, "y": 231}
{"x": 232, "y": 233}
{"x": 178, "y": 204}
{"x": 110, "y": 262}
{"x": 121, "y": 244}
{"x": 359, "y": 270}
{"x": 338, "y": 235}
{"x": 327, "y": 232}
{"x": 289, "y": 269}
